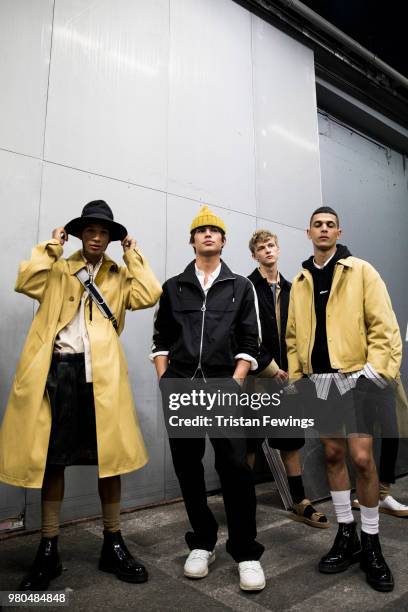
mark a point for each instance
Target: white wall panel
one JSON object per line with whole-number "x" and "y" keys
{"x": 25, "y": 38}
{"x": 156, "y": 106}
{"x": 366, "y": 183}
{"x": 108, "y": 88}
{"x": 142, "y": 211}
{"x": 287, "y": 146}
{"x": 20, "y": 180}
{"x": 19, "y": 203}
{"x": 210, "y": 112}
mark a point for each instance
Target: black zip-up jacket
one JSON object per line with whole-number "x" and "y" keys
{"x": 272, "y": 347}
{"x": 206, "y": 331}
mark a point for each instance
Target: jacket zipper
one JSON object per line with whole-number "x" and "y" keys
{"x": 203, "y": 310}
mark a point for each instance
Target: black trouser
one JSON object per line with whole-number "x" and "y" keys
{"x": 238, "y": 490}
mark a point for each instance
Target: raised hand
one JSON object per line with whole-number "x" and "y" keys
{"x": 60, "y": 234}
{"x": 128, "y": 243}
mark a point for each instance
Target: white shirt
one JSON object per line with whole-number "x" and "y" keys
{"x": 325, "y": 263}
{"x": 73, "y": 338}
{"x": 210, "y": 279}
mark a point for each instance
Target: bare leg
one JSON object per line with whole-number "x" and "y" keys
{"x": 337, "y": 472}
{"x": 361, "y": 452}
{"x": 251, "y": 460}
{"x": 291, "y": 461}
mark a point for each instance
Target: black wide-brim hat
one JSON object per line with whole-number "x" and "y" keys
{"x": 96, "y": 211}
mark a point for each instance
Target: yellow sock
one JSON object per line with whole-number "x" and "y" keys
{"x": 111, "y": 516}
{"x": 50, "y": 511}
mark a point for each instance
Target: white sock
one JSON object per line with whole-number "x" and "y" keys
{"x": 342, "y": 506}
{"x": 369, "y": 519}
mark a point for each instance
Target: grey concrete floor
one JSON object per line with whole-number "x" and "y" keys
{"x": 157, "y": 537}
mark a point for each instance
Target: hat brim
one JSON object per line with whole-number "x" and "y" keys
{"x": 76, "y": 226}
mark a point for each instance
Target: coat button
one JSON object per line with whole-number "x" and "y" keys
{"x": 71, "y": 299}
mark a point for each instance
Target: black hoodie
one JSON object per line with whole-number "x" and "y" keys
{"x": 322, "y": 281}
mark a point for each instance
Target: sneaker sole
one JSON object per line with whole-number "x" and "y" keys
{"x": 304, "y": 519}
{"x": 247, "y": 588}
{"x": 337, "y": 570}
{"x": 203, "y": 574}
{"x": 399, "y": 513}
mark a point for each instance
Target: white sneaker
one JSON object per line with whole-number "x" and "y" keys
{"x": 197, "y": 562}
{"x": 389, "y": 505}
{"x": 251, "y": 576}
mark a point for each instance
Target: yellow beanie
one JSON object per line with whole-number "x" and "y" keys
{"x": 206, "y": 217}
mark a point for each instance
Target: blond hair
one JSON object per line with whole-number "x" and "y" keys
{"x": 261, "y": 235}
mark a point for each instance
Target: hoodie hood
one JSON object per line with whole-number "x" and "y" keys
{"x": 341, "y": 253}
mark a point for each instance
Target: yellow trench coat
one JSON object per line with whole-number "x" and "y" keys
{"x": 25, "y": 431}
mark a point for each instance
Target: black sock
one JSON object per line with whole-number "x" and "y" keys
{"x": 296, "y": 488}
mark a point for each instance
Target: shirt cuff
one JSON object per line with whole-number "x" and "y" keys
{"x": 152, "y": 356}
{"x": 252, "y": 360}
{"x": 270, "y": 371}
{"x": 372, "y": 374}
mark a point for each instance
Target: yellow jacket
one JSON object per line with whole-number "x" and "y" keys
{"x": 25, "y": 431}
{"x": 360, "y": 322}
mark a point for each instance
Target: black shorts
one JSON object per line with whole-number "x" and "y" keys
{"x": 73, "y": 427}
{"x": 364, "y": 410}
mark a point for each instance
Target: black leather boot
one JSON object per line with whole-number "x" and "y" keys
{"x": 46, "y": 566}
{"x": 116, "y": 559}
{"x": 346, "y": 550}
{"x": 378, "y": 573}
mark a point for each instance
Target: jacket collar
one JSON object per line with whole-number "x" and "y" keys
{"x": 256, "y": 278}
{"x": 76, "y": 262}
{"x": 189, "y": 275}
{"x": 346, "y": 262}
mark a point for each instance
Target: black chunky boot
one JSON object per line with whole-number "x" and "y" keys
{"x": 46, "y": 566}
{"x": 346, "y": 550}
{"x": 116, "y": 559}
{"x": 378, "y": 573}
